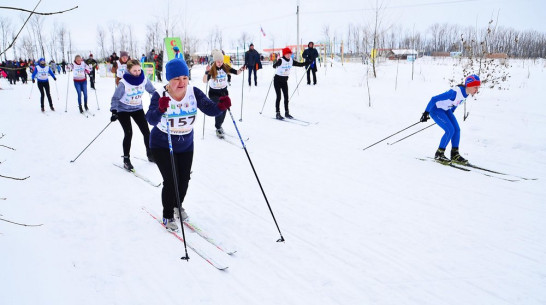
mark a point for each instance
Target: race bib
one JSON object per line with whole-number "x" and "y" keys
{"x": 180, "y": 115}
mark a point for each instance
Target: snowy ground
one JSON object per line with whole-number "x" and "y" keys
{"x": 361, "y": 227}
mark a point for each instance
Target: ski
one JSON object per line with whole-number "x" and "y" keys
{"x": 469, "y": 169}
{"x": 293, "y": 122}
{"x": 199, "y": 252}
{"x": 235, "y": 137}
{"x": 302, "y": 121}
{"x": 134, "y": 172}
{"x": 496, "y": 172}
{"x": 194, "y": 228}
{"x": 84, "y": 114}
{"x": 91, "y": 113}
{"x": 446, "y": 164}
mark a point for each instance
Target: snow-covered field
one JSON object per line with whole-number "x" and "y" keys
{"x": 361, "y": 227}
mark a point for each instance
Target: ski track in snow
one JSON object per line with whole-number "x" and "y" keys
{"x": 361, "y": 227}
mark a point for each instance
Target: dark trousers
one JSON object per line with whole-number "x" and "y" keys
{"x": 183, "y": 162}
{"x": 314, "y": 70}
{"x": 125, "y": 121}
{"x": 281, "y": 83}
{"x": 250, "y": 69}
{"x": 215, "y": 97}
{"x": 92, "y": 78}
{"x": 44, "y": 86}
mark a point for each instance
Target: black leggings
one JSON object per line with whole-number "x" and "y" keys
{"x": 41, "y": 87}
{"x": 125, "y": 121}
{"x": 183, "y": 162}
{"x": 214, "y": 96}
{"x": 281, "y": 83}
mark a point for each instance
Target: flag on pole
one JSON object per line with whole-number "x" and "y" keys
{"x": 261, "y": 29}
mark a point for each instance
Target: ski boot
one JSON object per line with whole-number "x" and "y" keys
{"x": 279, "y": 116}
{"x": 81, "y": 109}
{"x": 127, "y": 163}
{"x": 220, "y": 133}
{"x": 456, "y": 157}
{"x": 170, "y": 224}
{"x": 183, "y": 213}
{"x": 440, "y": 157}
{"x": 85, "y": 107}
{"x": 43, "y": 109}
{"x": 287, "y": 115}
{"x": 51, "y": 107}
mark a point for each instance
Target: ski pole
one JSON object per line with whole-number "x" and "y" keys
{"x": 96, "y": 97}
{"x": 255, "y": 174}
{"x": 177, "y": 194}
{"x": 67, "y": 84}
{"x": 392, "y": 135}
{"x": 31, "y": 88}
{"x": 242, "y": 95}
{"x": 72, "y": 161}
{"x": 412, "y": 134}
{"x": 204, "y": 115}
{"x": 267, "y": 94}
{"x": 57, "y": 90}
{"x": 299, "y": 83}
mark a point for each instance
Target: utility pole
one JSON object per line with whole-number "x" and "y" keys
{"x": 298, "y": 29}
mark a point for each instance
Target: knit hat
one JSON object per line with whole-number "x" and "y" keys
{"x": 251, "y": 45}
{"x": 286, "y": 51}
{"x": 217, "y": 55}
{"x": 90, "y": 55}
{"x": 472, "y": 81}
{"x": 175, "y": 68}
{"x": 176, "y": 48}
{"x": 123, "y": 53}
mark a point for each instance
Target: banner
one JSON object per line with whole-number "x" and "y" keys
{"x": 148, "y": 68}
{"x": 170, "y": 43}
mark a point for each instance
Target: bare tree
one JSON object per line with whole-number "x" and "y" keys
{"x": 5, "y": 32}
{"x": 245, "y": 39}
{"x": 112, "y": 30}
{"x": 37, "y": 24}
{"x": 62, "y": 33}
{"x": 101, "y": 41}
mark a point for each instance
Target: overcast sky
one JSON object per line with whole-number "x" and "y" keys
{"x": 278, "y": 17}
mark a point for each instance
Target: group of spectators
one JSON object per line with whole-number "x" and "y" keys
{"x": 16, "y": 70}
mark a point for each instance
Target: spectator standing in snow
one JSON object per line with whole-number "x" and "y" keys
{"x": 280, "y": 80}
{"x": 159, "y": 65}
{"x": 216, "y": 76}
{"x": 127, "y": 104}
{"x": 441, "y": 108}
{"x": 310, "y": 55}
{"x": 92, "y": 63}
{"x": 178, "y": 105}
{"x": 252, "y": 63}
{"x": 41, "y": 73}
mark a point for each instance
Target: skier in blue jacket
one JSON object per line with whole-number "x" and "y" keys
{"x": 41, "y": 73}
{"x": 441, "y": 108}
{"x": 177, "y": 105}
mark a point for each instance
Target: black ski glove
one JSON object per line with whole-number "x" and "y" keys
{"x": 425, "y": 117}
{"x": 114, "y": 116}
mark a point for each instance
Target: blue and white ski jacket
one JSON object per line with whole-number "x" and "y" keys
{"x": 40, "y": 73}
{"x": 448, "y": 100}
